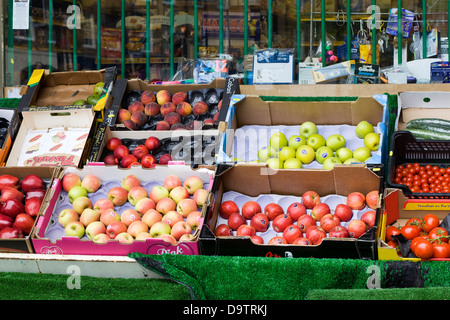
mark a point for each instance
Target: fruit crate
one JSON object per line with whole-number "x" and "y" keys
{"x": 405, "y": 148}
{"x": 9, "y": 126}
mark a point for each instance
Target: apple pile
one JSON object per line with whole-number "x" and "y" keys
{"x": 304, "y": 222}
{"x": 171, "y": 211}
{"x": 162, "y": 110}
{"x": 20, "y": 204}
{"x": 310, "y": 145}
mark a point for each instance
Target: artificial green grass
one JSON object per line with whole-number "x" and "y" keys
{"x": 11, "y": 103}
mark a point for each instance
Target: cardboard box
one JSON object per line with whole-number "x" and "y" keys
{"x": 38, "y": 144}
{"x": 251, "y": 120}
{"x": 255, "y": 182}
{"x": 8, "y": 134}
{"x": 24, "y": 245}
{"x": 49, "y": 237}
{"x": 396, "y": 212}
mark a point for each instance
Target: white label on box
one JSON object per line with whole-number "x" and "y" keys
{"x": 272, "y": 73}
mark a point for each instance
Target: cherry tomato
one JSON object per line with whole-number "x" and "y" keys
{"x": 410, "y": 231}
{"x": 441, "y": 250}
{"x": 438, "y": 235}
{"x": 391, "y": 231}
{"x": 423, "y": 249}
{"x": 430, "y": 221}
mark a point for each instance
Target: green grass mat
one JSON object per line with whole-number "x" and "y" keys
{"x": 11, "y": 103}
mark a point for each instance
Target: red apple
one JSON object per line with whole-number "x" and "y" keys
{"x": 277, "y": 240}
{"x": 227, "y": 208}
{"x": 260, "y": 222}
{"x": 24, "y": 222}
{"x": 250, "y": 208}
{"x": 12, "y": 208}
{"x": 272, "y": 210}
{"x": 32, "y": 182}
{"x": 5, "y": 221}
{"x": 140, "y": 151}
{"x": 338, "y": 232}
{"x": 11, "y": 193}
{"x": 257, "y": 239}
{"x": 320, "y": 210}
{"x": 115, "y": 228}
{"x": 369, "y": 218}
{"x": 245, "y": 230}
{"x": 7, "y": 180}
{"x": 112, "y": 143}
{"x": 329, "y": 221}
{"x": 343, "y": 212}
{"x": 165, "y": 158}
{"x": 121, "y": 151}
{"x": 291, "y": 233}
{"x": 38, "y": 193}
{"x": 281, "y": 222}
{"x": 305, "y": 221}
{"x": 10, "y": 233}
{"x": 32, "y": 206}
{"x": 302, "y": 241}
{"x": 70, "y": 180}
{"x": 315, "y": 234}
{"x": 235, "y": 220}
{"x": 152, "y": 143}
{"x": 310, "y": 199}
{"x": 127, "y": 160}
{"x": 148, "y": 161}
{"x": 356, "y": 200}
{"x": 111, "y": 160}
{"x": 223, "y": 230}
{"x": 356, "y": 228}
{"x": 372, "y": 199}
{"x": 295, "y": 210}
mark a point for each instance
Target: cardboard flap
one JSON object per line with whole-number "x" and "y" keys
{"x": 344, "y": 177}
{"x": 71, "y": 78}
{"x": 73, "y": 118}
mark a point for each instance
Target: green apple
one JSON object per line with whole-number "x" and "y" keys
{"x": 275, "y": 163}
{"x": 292, "y": 163}
{"x": 335, "y": 142}
{"x": 307, "y": 129}
{"x": 316, "y": 141}
{"x": 372, "y": 141}
{"x": 343, "y": 154}
{"x": 98, "y": 88}
{"x": 75, "y": 192}
{"x": 305, "y": 154}
{"x": 331, "y": 162}
{"x": 278, "y": 140}
{"x": 352, "y": 160}
{"x": 362, "y": 153}
{"x": 286, "y": 153}
{"x": 363, "y": 128}
{"x": 266, "y": 152}
{"x": 296, "y": 141}
{"x": 323, "y": 153}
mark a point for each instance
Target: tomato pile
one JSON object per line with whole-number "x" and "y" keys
{"x": 428, "y": 239}
{"x": 423, "y": 179}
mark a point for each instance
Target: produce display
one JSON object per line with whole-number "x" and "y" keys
{"x": 423, "y": 178}
{"x": 21, "y": 201}
{"x": 148, "y": 110}
{"x": 128, "y": 210}
{"x": 93, "y": 98}
{"x": 320, "y": 146}
{"x": 424, "y": 238}
{"x": 429, "y": 128}
{"x": 305, "y": 220}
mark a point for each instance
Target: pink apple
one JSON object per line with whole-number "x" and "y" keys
{"x": 142, "y": 236}
{"x": 124, "y": 238}
{"x": 158, "y": 192}
{"x": 320, "y": 210}
{"x": 291, "y": 233}
{"x": 130, "y": 181}
{"x": 186, "y": 206}
{"x": 372, "y": 199}
{"x": 172, "y": 181}
{"x": 88, "y": 216}
{"x": 91, "y": 183}
{"x": 144, "y": 204}
{"x": 356, "y": 228}
{"x": 74, "y": 229}
{"x": 179, "y": 229}
{"x": 137, "y": 227}
{"x": 369, "y": 218}
{"x": 295, "y": 210}
{"x": 129, "y": 216}
{"x": 250, "y": 208}
{"x": 310, "y": 199}
{"x": 115, "y": 228}
{"x": 165, "y": 205}
{"x": 193, "y": 219}
{"x": 192, "y": 184}
{"x": 343, "y": 212}
{"x": 66, "y": 216}
{"x": 95, "y": 228}
{"x": 200, "y": 197}
{"x": 118, "y": 195}
{"x": 81, "y": 203}
{"x": 151, "y": 216}
{"x": 136, "y": 193}
{"x": 187, "y": 237}
{"x": 168, "y": 238}
{"x": 101, "y": 238}
{"x": 159, "y": 228}
{"x": 172, "y": 217}
{"x": 70, "y": 180}
{"x": 179, "y": 193}
{"x": 245, "y": 230}
{"x": 102, "y": 204}
{"x": 108, "y": 216}
{"x": 356, "y": 200}
{"x": 329, "y": 221}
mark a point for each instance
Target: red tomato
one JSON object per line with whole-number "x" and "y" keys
{"x": 415, "y": 242}
{"x": 410, "y": 231}
{"x": 441, "y": 250}
{"x": 430, "y": 221}
{"x": 391, "y": 231}
{"x": 392, "y": 244}
{"x": 438, "y": 235}
{"x": 415, "y": 222}
{"x": 423, "y": 249}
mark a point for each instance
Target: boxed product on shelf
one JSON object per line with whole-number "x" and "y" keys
{"x": 396, "y": 214}
{"x": 252, "y": 120}
{"x": 57, "y": 137}
{"x": 50, "y": 236}
{"x": 234, "y": 186}
{"x": 9, "y": 125}
{"x": 24, "y": 192}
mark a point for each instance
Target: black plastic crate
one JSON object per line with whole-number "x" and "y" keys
{"x": 405, "y": 148}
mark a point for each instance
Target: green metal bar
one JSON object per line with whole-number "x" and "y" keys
{"x": 99, "y": 34}
{"x": 299, "y": 38}
{"x": 374, "y": 34}
{"x": 195, "y": 29}
{"x": 269, "y": 23}
{"x": 172, "y": 28}
{"x": 30, "y": 44}
{"x": 349, "y": 29}
{"x": 424, "y": 29}
{"x": 221, "y": 26}
{"x": 50, "y": 34}
{"x": 10, "y": 79}
{"x": 322, "y": 28}
{"x": 122, "y": 39}
{"x": 245, "y": 27}
{"x": 74, "y": 31}
{"x": 399, "y": 31}
{"x": 147, "y": 43}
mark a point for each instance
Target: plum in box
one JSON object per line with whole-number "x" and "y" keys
{"x": 49, "y": 236}
{"x": 243, "y": 182}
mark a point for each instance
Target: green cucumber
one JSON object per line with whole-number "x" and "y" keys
{"x": 430, "y": 134}
{"x": 428, "y": 124}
